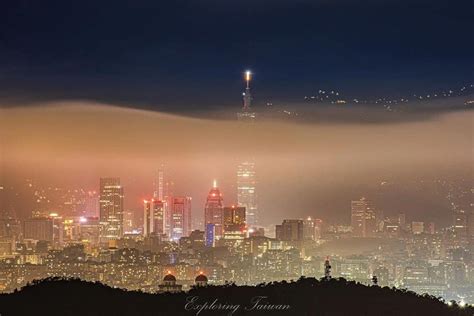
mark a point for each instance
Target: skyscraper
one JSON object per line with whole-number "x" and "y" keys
{"x": 312, "y": 228}
{"x": 153, "y": 217}
{"x": 246, "y": 179}
{"x": 363, "y": 220}
{"x": 290, "y": 230}
{"x": 247, "y": 115}
{"x": 147, "y": 218}
{"x": 159, "y": 216}
{"x": 247, "y": 191}
{"x": 168, "y": 192}
{"x": 158, "y": 184}
{"x": 180, "y": 225}
{"x": 234, "y": 223}
{"x": 111, "y": 209}
{"x": 234, "y": 215}
{"x": 38, "y": 229}
{"x": 214, "y": 211}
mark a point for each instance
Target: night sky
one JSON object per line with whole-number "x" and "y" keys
{"x": 181, "y": 55}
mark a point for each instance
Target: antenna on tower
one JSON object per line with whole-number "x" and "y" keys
{"x": 246, "y": 94}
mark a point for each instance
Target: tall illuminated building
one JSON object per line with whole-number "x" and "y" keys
{"x": 153, "y": 217}
{"x": 246, "y": 179}
{"x": 234, "y": 215}
{"x": 312, "y": 228}
{"x": 111, "y": 209}
{"x": 168, "y": 193}
{"x": 159, "y": 213}
{"x": 180, "y": 225}
{"x": 214, "y": 211}
{"x": 129, "y": 221}
{"x": 158, "y": 184}
{"x": 246, "y": 114}
{"x": 247, "y": 191}
{"x": 363, "y": 219}
{"x": 92, "y": 204}
{"x": 234, "y": 223}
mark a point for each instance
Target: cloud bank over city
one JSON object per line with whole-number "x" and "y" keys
{"x": 75, "y": 142}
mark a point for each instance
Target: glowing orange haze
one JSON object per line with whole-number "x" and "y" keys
{"x": 76, "y": 142}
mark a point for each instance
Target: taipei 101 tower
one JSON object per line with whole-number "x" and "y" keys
{"x": 247, "y": 115}
{"x": 246, "y": 171}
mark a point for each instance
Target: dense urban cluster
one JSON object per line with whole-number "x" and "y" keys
{"x": 92, "y": 237}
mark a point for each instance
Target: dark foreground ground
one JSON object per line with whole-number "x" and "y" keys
{"x": 304, "y": 297}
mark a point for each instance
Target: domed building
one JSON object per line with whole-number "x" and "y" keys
{"x": 169, "y": 284}
{"x": 201, "y": 280}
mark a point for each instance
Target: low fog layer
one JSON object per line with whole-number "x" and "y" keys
{"x": 303, "y": 169}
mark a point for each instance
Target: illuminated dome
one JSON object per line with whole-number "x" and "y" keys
{"x": 169, "y": 278}
{"x": 201, "y": 278}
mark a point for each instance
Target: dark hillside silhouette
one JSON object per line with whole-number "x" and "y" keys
{"x": 307, "y": 296}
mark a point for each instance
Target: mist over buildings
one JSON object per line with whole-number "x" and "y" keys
{"x": 312, "y": 168}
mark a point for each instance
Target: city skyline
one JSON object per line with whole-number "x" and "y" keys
{"x": 311, "y": 149}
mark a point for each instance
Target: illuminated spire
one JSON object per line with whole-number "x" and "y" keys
{"x": 214, "y": 184}
{"x": 247, "y": 78}
{"x": 246, "y": 94}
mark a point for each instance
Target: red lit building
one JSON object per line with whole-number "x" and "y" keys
{"x": 214, "y": 211}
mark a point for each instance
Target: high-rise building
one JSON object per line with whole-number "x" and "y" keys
{"x": 210, "y": 235}
{"x": 246, "y": 179}
{"x": 234, "y": 223}
{"x": 214, "y": 211}
{"x": 290, "y": 230}
{"x": 159, "y": 209}
{"x": 180, "y": 225}
{"x": 312, "y": 228}
{"x": 111, "y": 209}
{"x": 147, "y": 218}
{"x": 363, "y": 218}
{"x": 158, "y": 184}
{"x": 129, "y": 221}
{"x": 247, "y": 191}
{"x": 168, "y": 193}
{"x": 153, "y": 217}
{"x": 92, "y": 204}
{"x": 38, "y": 229}
{"x": 247, "y": 115}
{"x": 234, "y": 215}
